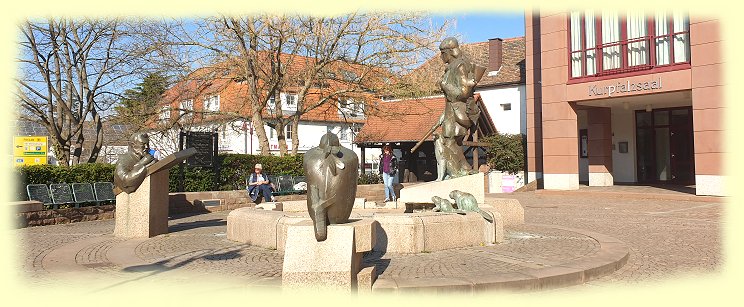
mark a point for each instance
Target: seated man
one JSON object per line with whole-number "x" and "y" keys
{"x": 260, "y": 185}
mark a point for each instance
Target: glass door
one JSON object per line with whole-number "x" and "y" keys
{"x": 664, "y": 148}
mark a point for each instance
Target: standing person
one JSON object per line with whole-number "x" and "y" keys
{"x": 259, "y": 185}
{"x": 388, "y": 169}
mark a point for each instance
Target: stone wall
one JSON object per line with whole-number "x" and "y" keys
{"x": 64, "y": 216}
{"x": 179, "y": 203}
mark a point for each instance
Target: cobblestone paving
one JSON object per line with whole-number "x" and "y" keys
{"x": 525, "y": 246}
{"x": 665, "y": 238}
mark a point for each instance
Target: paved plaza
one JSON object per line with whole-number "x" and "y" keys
{"x": 664, "y": 239}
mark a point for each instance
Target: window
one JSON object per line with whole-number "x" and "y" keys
{"x": 607, "y": 43}
{"x": 355, "y": 131}
{"x": 288, "y": 132}
{"x": 506, "y": 106}
{"x": 349, "y": 75}
{"x": 212, "y": 103}
{"x": 186, "y": 108}
{"x": 165, "y": 113}
{"x": 348, "y": 107}
{"x": 343, "y": 134}
{"x": 289, "y": 101}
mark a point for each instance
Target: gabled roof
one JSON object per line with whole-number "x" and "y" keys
{"x": 221, "y": 79}
{"x": 409, "y": 120}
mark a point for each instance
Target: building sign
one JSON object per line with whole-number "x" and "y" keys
{"x": 30, "y": 150}
{"x": 624, "y": 87}
{"x": 203, "y": 142}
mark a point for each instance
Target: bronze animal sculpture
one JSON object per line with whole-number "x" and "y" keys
{"x": 444, "y": 205}
{"x": 331, "y": 173}
{"x": 460, "y": 113}
{"x": 131, "y": 168}
{"x": 467, "y": 202}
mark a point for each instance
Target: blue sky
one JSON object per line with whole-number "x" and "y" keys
{"x": 479, "y": 27}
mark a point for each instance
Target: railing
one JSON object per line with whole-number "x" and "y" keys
{"x": 637, "y": 54}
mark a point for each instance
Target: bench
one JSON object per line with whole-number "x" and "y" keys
{"x": 104, "y": 192}
{"x": 83, "y": 193}
{"x": 40, "y": 193}
{"x": 286, "y": 185}
{"x": 62, "y": 195}
{"x": 57, "y": 194}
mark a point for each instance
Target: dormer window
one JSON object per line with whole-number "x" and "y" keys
{"x": 352, "y": 108}
{"x": 212, "y": 103}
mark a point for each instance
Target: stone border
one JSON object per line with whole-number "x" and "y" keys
{"x": 406, "y": 233}
{"x": 658, "y": 196}
{"x": 612, "y": 255}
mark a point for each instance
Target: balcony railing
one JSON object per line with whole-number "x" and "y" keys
{"x": 631, "y": 55}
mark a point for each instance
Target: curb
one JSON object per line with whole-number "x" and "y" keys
{"x": 626, "y": 195}
{"x": 612, "y": 255}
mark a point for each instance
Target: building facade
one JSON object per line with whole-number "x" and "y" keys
{"x": 218, "y": 102}
{"x": 624, "y": 98}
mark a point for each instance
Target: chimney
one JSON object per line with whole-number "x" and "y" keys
{"x": 495, "y": 54}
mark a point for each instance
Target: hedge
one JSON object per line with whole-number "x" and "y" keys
{"x": 233, "y": 170}
{"x": 506, "y": 152}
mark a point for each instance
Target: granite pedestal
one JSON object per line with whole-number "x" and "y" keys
{"x": 333, "y": 264}
{"x": 143, "y": 213}
{"x": 423, "y": 192}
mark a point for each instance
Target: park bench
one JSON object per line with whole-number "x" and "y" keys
{"x": 286, "y": 185}
{"x": 83, "y": 193}
{"x": 62, "y": 195}
{"x": 40, "y": 193}
{"x": 104, "y": 192}
{"x": 57, "y": 194}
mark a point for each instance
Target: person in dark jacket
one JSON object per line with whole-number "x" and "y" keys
{"x": 260, "y": 185}
{"x": 388, "y": 170}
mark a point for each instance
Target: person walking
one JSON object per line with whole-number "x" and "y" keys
{"x": 388, "y": 170}
{"x": 260, "y": 185}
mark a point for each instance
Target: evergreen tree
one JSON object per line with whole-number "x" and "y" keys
{"x": 140, "y": 103}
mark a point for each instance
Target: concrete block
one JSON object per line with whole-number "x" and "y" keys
{"x": 423, "y": 192}
{"x": 143, "y": 213}
{"x": 332, "y": 264}
{"x": 511, "y": 210}
{"x": 273, "y": 206}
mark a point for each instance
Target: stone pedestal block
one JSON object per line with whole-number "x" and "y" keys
{"x": 423, "y": 192}
{"x": 143, "y": 213}
{"x": 511, "y": 210}
{"x": 333, "y": 264}
{"x": 273, "y": 206}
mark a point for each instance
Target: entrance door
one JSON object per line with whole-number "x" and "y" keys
{"x": 664, "y": 146}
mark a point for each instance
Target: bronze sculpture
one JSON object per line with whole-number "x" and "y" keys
{"x": 460, "y": 113}
{"x": 331, "y": 172}
{"x": 131, "y": 168}
{"x": 467, "y": 202}
{"x": 443, "y": 205}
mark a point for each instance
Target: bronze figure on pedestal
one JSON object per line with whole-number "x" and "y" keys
{"x": 331, "y": 172}
{"x": 131, "y": 168}
{"x": 460, "y": 113}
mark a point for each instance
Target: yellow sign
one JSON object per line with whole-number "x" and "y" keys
{"x": 19, "y": 161}
{"x": 30, "y": 150}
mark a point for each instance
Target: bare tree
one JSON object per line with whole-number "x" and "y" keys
{"x": 358, "y": 56}
{"x": 70, "y": 71}
{"x": 324, "y": 60}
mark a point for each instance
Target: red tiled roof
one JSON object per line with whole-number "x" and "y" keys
{"x": 234, "y": 95}
{"x": 404, "y": 121}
